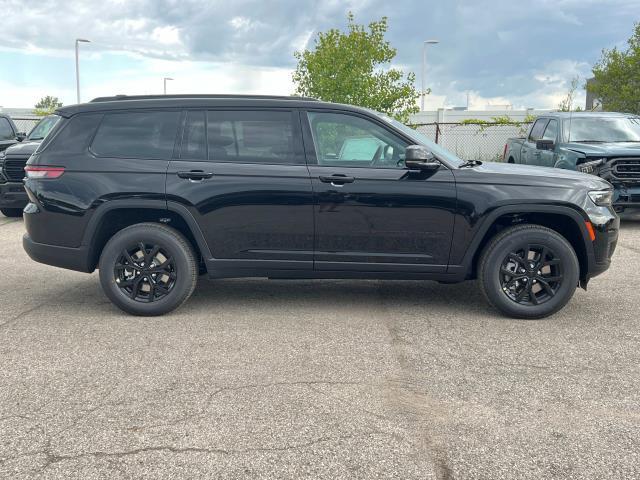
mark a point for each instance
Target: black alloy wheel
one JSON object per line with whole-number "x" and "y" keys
{"x": 145, "y": 272}
{"x": 531, "y": 275}
{"x": 528, "y": 271}
{"x": 148, "y": 269}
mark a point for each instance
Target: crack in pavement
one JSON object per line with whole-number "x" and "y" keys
{"x": 51, "y": 458}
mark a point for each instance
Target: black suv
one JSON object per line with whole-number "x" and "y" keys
{"x": 13, "y": 198}
{"x": 9, "y": 134}
{"x": 154, "y": 191}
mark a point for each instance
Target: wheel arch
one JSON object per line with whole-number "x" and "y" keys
{"x": 115, "y": 215}
{"x": 565, "y": 220}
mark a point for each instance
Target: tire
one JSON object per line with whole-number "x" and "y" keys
{"x": 151, "y": 283}
{"x": 533, "y": 289}
{"x": 11, "y": 212}
{"x": 511, "y": 160}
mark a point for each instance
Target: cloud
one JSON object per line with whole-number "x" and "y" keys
{"x": 523, "y": 53}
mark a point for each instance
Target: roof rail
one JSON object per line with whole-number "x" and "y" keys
{"x": 186, "y": 96}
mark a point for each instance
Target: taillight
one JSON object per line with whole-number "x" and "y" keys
{"x": 35, "y": 171}
{"x": 504, "y": 153}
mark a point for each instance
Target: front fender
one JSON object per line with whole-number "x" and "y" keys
{"x": 568, "y": 159}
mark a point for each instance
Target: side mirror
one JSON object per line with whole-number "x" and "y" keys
{"x": 20, "y": 136}
{"x": 544, "y": 144}
{"x": 419, "y": 158}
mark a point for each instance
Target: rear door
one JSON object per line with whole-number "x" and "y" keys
{"x": 243, "y": 176}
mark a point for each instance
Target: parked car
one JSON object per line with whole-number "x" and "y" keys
{"x": 9, "y": 134}
{"x": 599, "y": 143}
{"x": 153, "y": 191}
{"x": 13, "y": 197}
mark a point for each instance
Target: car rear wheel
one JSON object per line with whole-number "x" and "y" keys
{"x": 148, "y": 269}
{"x": 528, "y": 271}
{"x": 11, "y": 212}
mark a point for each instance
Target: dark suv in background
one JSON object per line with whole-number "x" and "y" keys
{"x": 155, "y": 190}
{"x": 9, "y": 134}
{"x": 13, "y": 198}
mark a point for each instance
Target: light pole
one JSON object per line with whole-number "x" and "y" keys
{"x": 78, "y": 40}
{"x": 424, "y": 64}
{"x": 165, "y": 83}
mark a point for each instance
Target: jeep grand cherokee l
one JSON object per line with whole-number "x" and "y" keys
{"x": 153, "y": 191}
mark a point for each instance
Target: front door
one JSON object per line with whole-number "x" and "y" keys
{"x": 242, "y": 174}
{"x": 371, "y": 213}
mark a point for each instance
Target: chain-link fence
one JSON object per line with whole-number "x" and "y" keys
{"x": 26, "y": 123}
{"x": 473, "y": 141}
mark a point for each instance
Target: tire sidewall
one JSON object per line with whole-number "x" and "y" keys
{"x": 128, "y": 238}
{"x": 494, "y": 259}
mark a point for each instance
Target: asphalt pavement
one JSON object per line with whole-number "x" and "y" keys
{"x": 257, "y": 378}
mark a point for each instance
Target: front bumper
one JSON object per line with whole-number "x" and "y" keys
{"x": 13, "y": 195}
{"x": 604, "y": 246}
{"x": 626, "y": 196}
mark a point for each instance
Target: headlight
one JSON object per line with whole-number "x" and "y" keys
{"x": 602, "y": 198}
{"x": 589, "y": 167}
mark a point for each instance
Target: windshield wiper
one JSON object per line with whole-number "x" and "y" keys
{"x": 589, "y": 141}
{"x": 471, "y": 163}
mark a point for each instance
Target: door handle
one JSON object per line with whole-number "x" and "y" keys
{"x": 337, "y": 179}
{"x": 195, "y": 175}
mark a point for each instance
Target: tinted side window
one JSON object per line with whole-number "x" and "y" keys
{"x": 251, "y": 136}
{"x": 551, "y": 132}
{"x": 194, "y": 139}
{"x": 137, "y": 135}
{"x": 6, "y": 132}
{"x": 351, "y": 141}
{"x": 73, "y": 135}
{"x": 538, "y": 128}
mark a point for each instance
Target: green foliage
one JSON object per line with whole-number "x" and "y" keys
{"x": 501, "y": 120}
{"x": 617, "y": 77}
{"x": 354, "y": 67}
{"x": 47, "y": 105}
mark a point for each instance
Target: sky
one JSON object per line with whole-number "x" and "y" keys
{"x": 503, "y": 52}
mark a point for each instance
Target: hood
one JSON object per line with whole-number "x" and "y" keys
{"x": 532, "y": 176}
{"x": 25, "y": 148}
{"x": 613, "y": 149}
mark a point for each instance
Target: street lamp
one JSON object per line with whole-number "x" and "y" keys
{"x": 424, "y": 64}
{"x": 165, "y": 83}
{"x": 78, "y": 40}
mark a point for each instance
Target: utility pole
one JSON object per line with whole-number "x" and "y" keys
{"x": 78, "y": 41}
{"x": 423, "y": 91}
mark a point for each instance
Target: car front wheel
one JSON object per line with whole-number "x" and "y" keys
{"x": 148, "y": 269}
{"x": 528, "y": 271}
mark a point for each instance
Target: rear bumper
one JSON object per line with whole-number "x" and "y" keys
{"x": 63, "y": 257}
{"x": 13, "y": 195}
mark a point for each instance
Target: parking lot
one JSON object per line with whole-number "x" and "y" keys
{"x": 319, "y": 379}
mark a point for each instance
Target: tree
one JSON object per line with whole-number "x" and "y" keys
{"x": 354, "y": 67}
{"x": 617, "y": 77}
{"x": 47, "y": 105}
{"x": 566, "y": 105}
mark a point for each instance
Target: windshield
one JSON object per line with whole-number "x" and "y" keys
{"x": 43, "y": 127}
{"x": 422, "y": 139}
{"x": 602, "y": 129}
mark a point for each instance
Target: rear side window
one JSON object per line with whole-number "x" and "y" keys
{"x": 6, "y": 132}
{"x": 137, "y": 135}
{"x": 73, "y": 135}
{"x": 538, "y": 128}
{"x": 251, "y": 136}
